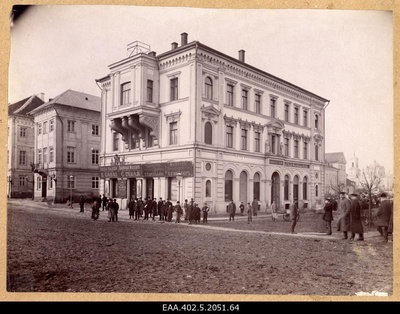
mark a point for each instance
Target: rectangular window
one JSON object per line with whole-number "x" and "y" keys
{"x": 257, "y": 138}
{"x": 71, "y": 182}
{"x": 244, "y": 139}
{"x": 296, "y": 115}
{"x": 115, "y": 141}
{"x": 95, "y": 182}
{"x": 22, "y": 180}
{"x": 286, "y": 147}
{"x": 229, "y": 136}
{"x": 50, "y": 183}
{"x": 316, "y": 152}
{"x": 296, "y": 149}
{"x": 45, "y": 155}
{"x": 51, "y": 126}
{"x": 244, "y": 99}
{"x": 257, "y": 103}
{"x": 173, "y": 133}
{"x": 22, "y": 132}
{"x": 39, "y": 128}
{"x": 70, "y": 126}
{"x": 273, "y": 109}
{"x": 305, "y": 118}
{"x": 229, "y": 94}
{"x": 273, "y": 144}
{"x": 95, "y": 129}
{"x": 39, "y": 183}
{"x": 287, "y": 112}
{"x": 125, "y": 93}
{"x": 39, "y": 156}
{"x": 149, "y": 90}
{"x": 174, "y": 89}
{"x": 22, "y": 157}
{"x": 149, "y": 138}
{"x": 45, "y": 127}
{"x": 305, "y": 150}
{"x": 95, "y": 157}
{"x": 51, "y": 154}
{"x": 70, "y": 154}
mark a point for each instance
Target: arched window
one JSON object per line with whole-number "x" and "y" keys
{"x": 305, "y": 183}
{"x": 208, "y": 133}
{"x": 256, "y": 186}
{"x": 209, "y": 88}
{"x": 316, "y": 122}
{"x": 208, "y": 188}
{"x": 286, "y": 188}
{"x": 316, "y": 190}
{"x": 228, "y": 186}
{"x": 296, "y": 188}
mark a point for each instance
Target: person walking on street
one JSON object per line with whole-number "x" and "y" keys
{"x": 384, "y": 215}
{"x": 344, "y": 215}
{"x": 95, "y": 210}
{"x": 163, "y": 210}
{"x": 154, "y": 207}
{"x": 205, "y": 211}
{"x": 131, "y": 207}
{"x": 111, "y": 211}
{"x": 274, "y": 211}
{"x": 255, "y": 206}
{"x": 241, "y": 207}
{"x": 249, "y": 210}
{"x": 231, "y": 211}
{"x": 116, "y": 208}
{"x": 294, "y": 210}
{"x": 185, "y": 207}
{"x": 82, "y": 204}
{"x": 159, "y": 207}
{"x": 197, "y": 211}
{"x": 136, "y": 209}
{"x": 104, "y": 202}
{"x": 170, "y": 210}
{"x": 179, "y": 212}
{"x": 191, "y": 212}
{"x": 355, "y": 218}
{"x": 328, "y": 215}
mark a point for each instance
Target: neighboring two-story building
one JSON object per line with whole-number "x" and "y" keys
{"x": 194, "y": 122}
{"x": 20, "y": 147}
{"x": 67, "y": 146}
{"x": 335, "y": 172}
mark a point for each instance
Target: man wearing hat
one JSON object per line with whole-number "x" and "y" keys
{"x": 294, "y": 210}
{"x": 355, "y": 218}
{"x": 384, "y": 214}
{"x": 344, "y": 218}
{"x": 205, "y": 211}
{"x": 328, "y": 216}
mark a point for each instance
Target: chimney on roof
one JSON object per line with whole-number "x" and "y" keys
{"x": 184, "y": 39}
{"x": 241, "y": 55}
{"x": 41, "y": 96}
{"x": 174, "y": 45}
{"x": 152, "y": 54}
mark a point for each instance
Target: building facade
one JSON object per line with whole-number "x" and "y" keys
{"x": 335, "y": 173}
{"x": 354, "y": 172}
{"x": 196, "y": 123}
{"x": 20, "y": 148}
{"x": 67, "y": 147}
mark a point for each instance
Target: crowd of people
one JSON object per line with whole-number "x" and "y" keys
{"x": 349, "y": 221}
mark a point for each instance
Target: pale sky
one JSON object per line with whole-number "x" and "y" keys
{"x": 343, "y": 56}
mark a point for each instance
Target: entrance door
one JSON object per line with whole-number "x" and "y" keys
{"x": 132, "y": 188}
{"x": 150, "y": 187}
{"x": 44, "y": 186}
{"x": 275, "y": 189}
{"x": 296, "y": 188}
{"x": 243, "y": 187}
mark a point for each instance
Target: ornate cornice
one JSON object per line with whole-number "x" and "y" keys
{"x": 230, "y": 121}
{"x": 173, "y": 116}
{"x": 244, "y": 124}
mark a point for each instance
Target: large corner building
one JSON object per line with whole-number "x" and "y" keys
{"x": 194, "y": 122}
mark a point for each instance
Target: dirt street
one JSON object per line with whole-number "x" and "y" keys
{"x": 63, "y": 250}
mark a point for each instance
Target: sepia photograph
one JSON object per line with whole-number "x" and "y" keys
{"x": 202, "y": 151}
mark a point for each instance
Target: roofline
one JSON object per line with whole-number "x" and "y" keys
{"x": 58, "y": 104}
{"x": 238, "y": 62}
{"x": 103, "y": 78}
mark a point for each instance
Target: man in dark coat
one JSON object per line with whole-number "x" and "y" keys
{"x": 191, "y": 212}
{"x": 159, "y": 207}
{"x": 167, "y": 205}
{"x": 154, "y": 208}
{"x": 116, "y": 208}
{"x": 136, "y": 209}
{"x": 344, "y": 218}
{"x": 185, "y": 207}
{"x": 384, "y": 214}
{"x": 231, "y": 211}
{"x": 104, "y": 202}
{"x": 241, "y": 207}
{"x": 294, "y": 210}
{"x": 328, "y": 215}
{"x": 147, "y": 208}
{"x": 131, "y": 207}
{"x": 355, "y": 218}
{"x": 254, "y": 204}
{"x": 82, "y": 204}
{"x": 179, "y": 212}
{"x": 205, "y": 211}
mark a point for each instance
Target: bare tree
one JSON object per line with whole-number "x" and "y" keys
{"x": 370, "y": 181}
